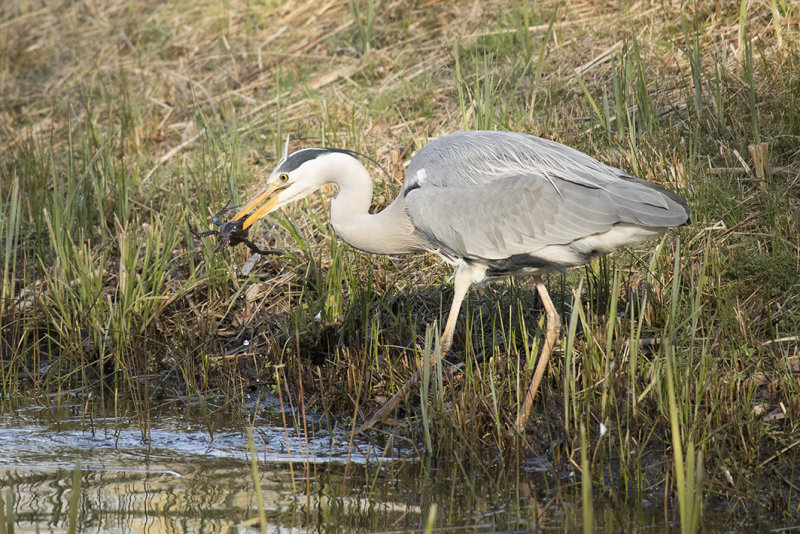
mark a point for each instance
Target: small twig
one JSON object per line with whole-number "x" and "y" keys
{"x": 599, "y": 60}
{"x": 774, "y": 456}
{"x": 780, "y": 340}
{"x": 786, "y": 480}
{"x": 169, "y": 155}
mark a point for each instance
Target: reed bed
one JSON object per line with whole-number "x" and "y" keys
{"x": 678, "y": 367}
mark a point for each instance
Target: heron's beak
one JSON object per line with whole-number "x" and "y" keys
{"x": 269, "y": 197}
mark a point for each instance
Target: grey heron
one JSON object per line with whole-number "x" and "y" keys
{"x": 491, "y": 203}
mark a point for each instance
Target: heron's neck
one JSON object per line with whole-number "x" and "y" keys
{"x": 387, "y": 232}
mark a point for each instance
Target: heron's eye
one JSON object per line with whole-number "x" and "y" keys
{"x": 283, "y": 177}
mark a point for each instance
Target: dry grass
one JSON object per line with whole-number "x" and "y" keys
{"x": 134, "y": 116}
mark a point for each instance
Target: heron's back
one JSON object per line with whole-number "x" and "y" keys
{"x": 520, "y": 202}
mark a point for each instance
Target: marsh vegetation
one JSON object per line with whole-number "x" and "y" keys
{"x": 677, "y": 374}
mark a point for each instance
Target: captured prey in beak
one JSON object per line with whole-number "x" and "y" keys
{"x": 230, "y": 234}
{"x": 233, "y": 232}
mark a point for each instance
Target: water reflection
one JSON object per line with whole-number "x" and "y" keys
{"x": 191, "y": 474}
{"x": 181, "y": 478}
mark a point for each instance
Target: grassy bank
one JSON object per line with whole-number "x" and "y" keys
{"x": 122, "y": 123}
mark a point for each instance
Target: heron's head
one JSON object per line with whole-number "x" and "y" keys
{"x": 296, "y": 176}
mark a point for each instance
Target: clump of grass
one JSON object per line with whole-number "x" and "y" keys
{"x": 74, "y": 499}
{"x": 365, "y": 17}
{"x": 688, "y": 462}
{"x": 7, "y": 512}
{"x": 251, "y": 449}
{"x": 103, "y": 287}
{"x": 586, "y": 484}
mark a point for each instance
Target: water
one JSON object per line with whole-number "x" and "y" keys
{"x": 177, "y": 476}
{"x": 189, "y": 472}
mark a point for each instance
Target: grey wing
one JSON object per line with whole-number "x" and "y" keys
{"x": 475, "y": 157}
{"x": 492, "y": 195}
{"x": 541, "y": 216}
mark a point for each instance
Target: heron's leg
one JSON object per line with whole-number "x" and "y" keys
{"x": 462, "y": 281}
{"x": 553, "y": 327}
